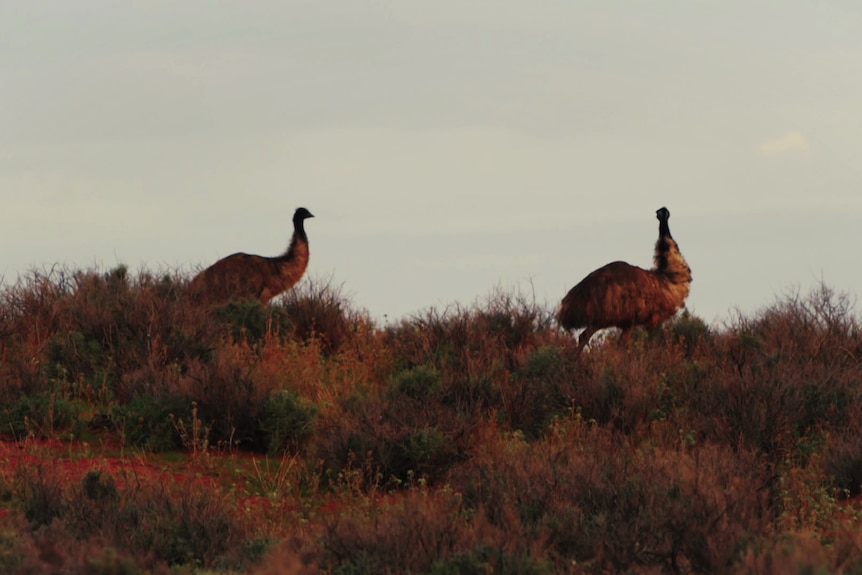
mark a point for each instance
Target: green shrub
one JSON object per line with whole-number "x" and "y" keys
{"x": 99, "y": 486}
{"x": 251, "y": 320}
{"x": 542, "y": 388}
{"x": 287, "y": 422}
{"x": 146, "y": 420}
{"x": 690, "y": 330}
{"x": 44, "y": 415}
{"x": 842, "y": 451}
{"x": 421, "y": 383}
{"x": 73, "y": 356}
{"x": 42, "y": 493}
{"x": 424, "y": 452}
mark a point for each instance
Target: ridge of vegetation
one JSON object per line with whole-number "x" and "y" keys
{"x": 144, "y": 434}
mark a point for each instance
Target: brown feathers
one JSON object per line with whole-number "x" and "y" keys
{"x": 624, "y": 296}
{"x": 241, "y": 276}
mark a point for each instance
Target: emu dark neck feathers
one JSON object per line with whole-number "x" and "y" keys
{"x": 662, "y": 250}
{"x": 299, "y": 230}
{"x": 663, "y": 244}
{"x": 664, "y": 229}
{"x": 298, "y": 236}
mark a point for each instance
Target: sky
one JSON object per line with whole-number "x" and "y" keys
{"x": 447, "y": 149}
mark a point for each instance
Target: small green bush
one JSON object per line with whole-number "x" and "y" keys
{"x": 45, "y": 415}
{"x": 287, "y": 422}
{"x": 43, "y": 495}
{"x": 73, "y": 356}
{"x": 99, "y": 486}
{"x": 251, "y": 320}
{"x": 146, "y": 420}
{"x": 420, "y": 383}
{"x": 425, "y": 451}
{"x": 542, "y": 388}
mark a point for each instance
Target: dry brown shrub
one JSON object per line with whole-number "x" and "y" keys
{"x": 30, "y": 316}
{"x": 805, "y": 551}
{"x": 498, "y": 329}
{"x": 407, "y": 533}
{"x": 597, "y": 500}
{"x": 320, "y": 311}
{"x": 631, "y": 386}
{"x": 842, "y": 454}
{"x": 415, "y": 530}
{"x": 156, "y": 519}
{"x": 287, "y": 560}
{"x": 547, "y": 384}
{"x": 782, "y": 377}
{"x": 404, "y": 432}
{"x": 53, "y": 550}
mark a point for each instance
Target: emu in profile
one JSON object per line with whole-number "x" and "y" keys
{"x": 241, "y": 275}
{"x": 624, "y": 296}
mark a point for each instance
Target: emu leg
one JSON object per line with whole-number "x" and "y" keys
{"x": 584, "y": 339}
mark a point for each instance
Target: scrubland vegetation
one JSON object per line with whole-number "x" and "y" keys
{"x": 144, "y": 434}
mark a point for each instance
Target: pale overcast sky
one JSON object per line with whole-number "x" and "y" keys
{"x": 445, "y": 147}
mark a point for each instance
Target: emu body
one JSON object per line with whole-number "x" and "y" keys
{"x": 241, "y": 275}
{"x": 624, "y": 296}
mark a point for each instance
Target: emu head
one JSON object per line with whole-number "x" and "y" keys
{"x": 301, "y": 214}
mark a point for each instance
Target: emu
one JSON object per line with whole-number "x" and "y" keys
{"x": 624, "y": 296}
{"x": 242, "y": 275}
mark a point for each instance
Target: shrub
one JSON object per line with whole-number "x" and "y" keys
{"x": 318, "y": 310}
{"x": 287, "y": 422}
{"x": 177, "y": 523}
{"x": 782, "y": 377}
{"x": 597, "y": 500}
{"x": 180, "y": 524}
{"x": 146, "y": 420}
{"x": 405, "y": 432}
{"x": 251, "y": 320}
{"x": 408, "y": 535}
{"x": 690, "y": 330}
{"x": 842, "y": 453}
{"x": 422, "y": 452}
{"x": 44, "y": 415}
{"x": 463, "y": 340}
{"x": 74, "y": 357}
{"x": 420, "y": 383}
{"x": 544, "y": 387}
{"x": 42, "y": 493}
{"x": 484, "y": 559}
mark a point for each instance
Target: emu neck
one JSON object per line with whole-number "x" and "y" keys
{"x": 663, "y": 246}
{"x": 663, "y": 229}
{"x": 298, "y": 238}
{"x": 299, "y": 230}
{"x": 669, "y": 262}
